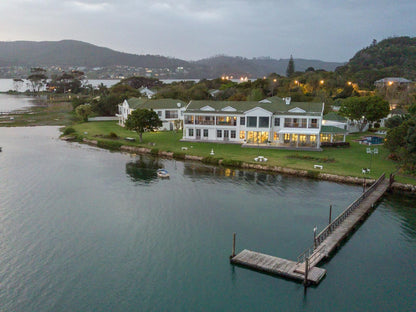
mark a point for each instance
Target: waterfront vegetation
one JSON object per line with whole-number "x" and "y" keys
{"x": 54, "y": 111}
{"x": 340, "y": 161}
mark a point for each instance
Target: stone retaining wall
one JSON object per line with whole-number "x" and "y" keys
{"x": 396, "y": 187}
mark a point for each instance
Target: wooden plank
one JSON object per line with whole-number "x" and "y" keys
{"x": 275, "y": 266}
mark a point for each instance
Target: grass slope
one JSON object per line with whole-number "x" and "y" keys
{"x": 340, "y": 161}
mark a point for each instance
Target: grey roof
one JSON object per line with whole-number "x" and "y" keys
{"x": 155, "y": 104}
{"x": 274, "y": 105}
{"x": 393, "y": 79}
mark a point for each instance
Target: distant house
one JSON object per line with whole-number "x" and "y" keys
{"x": 147, "y": 92}
{"x": 385, "y": 82}
{"x": 170, "y": 111}
{"x": 273, "y": 122}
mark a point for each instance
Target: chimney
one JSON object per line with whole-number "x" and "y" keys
{"x": 287, "y": 99}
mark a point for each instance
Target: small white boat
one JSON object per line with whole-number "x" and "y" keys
{"x": 162, "y": 173}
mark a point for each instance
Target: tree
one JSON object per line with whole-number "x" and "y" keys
{"x": 401, "y": 141}
{"x": 83, "y": 111}
{"x": 364, "y": 109}
{"x": 37, "y": 78}
{"x": 141, "y": 120}
{"x": 290, "y": 67}
{"x": 17, "y": 84}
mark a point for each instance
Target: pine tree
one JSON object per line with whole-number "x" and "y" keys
{"x": 290, "y": 67}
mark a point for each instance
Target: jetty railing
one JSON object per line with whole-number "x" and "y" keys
{"x": 337, "y": 221}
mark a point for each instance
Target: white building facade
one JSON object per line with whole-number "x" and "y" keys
{"x": 170, "y": 111}
{"x": 273, "y": 122}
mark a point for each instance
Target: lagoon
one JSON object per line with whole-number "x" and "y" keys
{"x": 84, "y": 229}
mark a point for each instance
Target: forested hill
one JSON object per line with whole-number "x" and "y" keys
{"x": 393, "y": 57}
{"x": 259, "y": 67}
{"x": 77, "y": 53}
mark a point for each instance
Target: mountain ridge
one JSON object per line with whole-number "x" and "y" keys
{"x": 70, "y": 52}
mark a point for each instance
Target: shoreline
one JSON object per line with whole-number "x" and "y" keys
{"x": 396, "y": 187}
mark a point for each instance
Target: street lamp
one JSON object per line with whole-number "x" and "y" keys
{"x": 364, "y": 171}
{"x": 371, "y": 152}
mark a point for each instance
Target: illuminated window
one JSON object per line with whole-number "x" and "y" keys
{"x": 242, "y": 135}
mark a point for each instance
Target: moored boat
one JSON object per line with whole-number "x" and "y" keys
{"x": 162, "y": 173}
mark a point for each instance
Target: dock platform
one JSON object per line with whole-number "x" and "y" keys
{"x": 275, "y": 266}
{"x": 328, "y": 240}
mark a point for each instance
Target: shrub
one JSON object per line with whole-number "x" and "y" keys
{"x": 113, "y": 135}
{"x": 178, "y": 155}
{"x": 68, "y": 130}
{"x": 154, "y": 151}
{"x": 232, "y": 163}
{"x": 312, "y": 174}
{"x": 111, "y": 145}
{"x": 210, "y": 160}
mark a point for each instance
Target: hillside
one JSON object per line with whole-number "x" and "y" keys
{"x": 393, "y": 57}
{"x": 81, "y": 54}
{"x": 258, "y": 67}
{"x": 76, "y": 53}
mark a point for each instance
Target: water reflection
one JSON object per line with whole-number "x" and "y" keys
{"x": 201, "y": 171}
{"x": 143, "y": 169}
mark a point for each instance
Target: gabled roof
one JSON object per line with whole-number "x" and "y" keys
{"x": 274, "y": 105}
{"x": 155, "y": 104}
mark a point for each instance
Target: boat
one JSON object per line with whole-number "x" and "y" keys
{"x": 162, "y": 173}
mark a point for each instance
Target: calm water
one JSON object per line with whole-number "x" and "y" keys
{"x": 82, "y": 229}
{"x": 9, "y": 103}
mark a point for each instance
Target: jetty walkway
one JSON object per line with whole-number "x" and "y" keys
{"x": 326, "y": 242}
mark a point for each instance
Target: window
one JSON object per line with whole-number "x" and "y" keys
{"x": 204, "y": 120}
{"x": 314, "y": 123}
{"x": 189, "y": 119}
{"x": 205, "y": 133}
{"x": 276, "y": 137}
{"x": 242, "y": 135}
{"x": 171, "y": 114}
{"x": 303, "y": 122}
{"x": 277, "y": 122}
{"x": 219, "y": 133}
{"x": 263, "y": 122}
{"x": 191, "y": 132}
{"x": 227, "y": 120}
{"x": 252, "y": 122}
{"x": 242, "y": 121}
{"x": 232, "y": 134}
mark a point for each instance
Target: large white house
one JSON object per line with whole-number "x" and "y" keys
{"x": 274, "y": 121}
{"x": 170, "y": 111}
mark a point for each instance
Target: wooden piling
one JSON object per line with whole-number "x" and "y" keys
{"x": 305, "y": 281}
{"x": 330, "y": 214}
{"x": 233, "y": 251}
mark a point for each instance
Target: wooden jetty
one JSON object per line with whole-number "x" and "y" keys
{"x": 327, "y": 241}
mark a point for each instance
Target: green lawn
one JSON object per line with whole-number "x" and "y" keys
{"x": 340, "y": 161}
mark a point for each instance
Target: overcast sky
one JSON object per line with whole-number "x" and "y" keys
{"x": 329, "y": 30}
